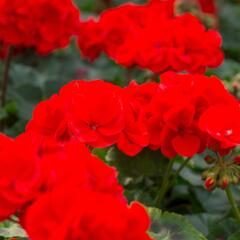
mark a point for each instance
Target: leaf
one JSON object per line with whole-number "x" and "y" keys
{"x": 147, "y": 163}
{"x": 227, "y": 70}
{"x": 11, "y": 230}
{"x": 203, "y": 221}
{"x": 212, "y": 202}
{"x": 171, "y": 226}
{"x": 229, "y": 24}
{"x": 235, "y": 236}
{"x": 223, "y": 229}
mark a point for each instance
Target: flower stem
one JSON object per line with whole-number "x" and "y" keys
{"x": 5, "y": 79}
{"x": 183, "y": 165}
{"x": 165, "y": 183}
{"x": 233, "y": 203}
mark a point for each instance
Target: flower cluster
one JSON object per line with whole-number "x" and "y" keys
{"x": 188, "y": 112}
{"x": 40, "y": 24}
{"x": 151, "y": 37}
{"x": 180, "y": 115}
{"x": 64, "y": 192}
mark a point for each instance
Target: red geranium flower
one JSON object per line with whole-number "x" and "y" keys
{"x": 134, "y": 136}
{"x": 20, "y": 173}
{"x": 40, "y": 24}
{"x": 69, "y": 213}
{"x": 222, "y": 123}
{"x": 95, "y": 111}
{"x": 49, "y": 120}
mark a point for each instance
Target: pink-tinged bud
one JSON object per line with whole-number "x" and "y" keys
{"x": 237, "y": 160}
{"x": 224, "y": 183}
{"x": 209, "y": 183}
{"x": 209, "y": 159}
{"x": 235, "y": 86}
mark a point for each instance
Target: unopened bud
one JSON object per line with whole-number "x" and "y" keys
{"x": 237, "y": 160}
{"x": 223, "y": 183}
{"x": 209, "y": 183}
{"x": 234, "y": 179}
{"x": 209, "y": 159}
{"x": 235, "y": 86}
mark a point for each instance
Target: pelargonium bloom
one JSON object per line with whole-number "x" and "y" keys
{"x": 134, "y": 136}
{"x": 20, "y": 173}
{"x": 49, "y": 120}
{"x": 68, "y": 213}
{"x": 94, "y": 110}
{"x": 90, "y": 111}
{"x": 182, "y": 104}
{"x": 222, "y": 122}
{"x": 151, "y": 37}
{"x": 39, "y": 24}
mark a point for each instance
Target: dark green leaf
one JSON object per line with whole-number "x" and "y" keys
{"x": 171, "y": 226}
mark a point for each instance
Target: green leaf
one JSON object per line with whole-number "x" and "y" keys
{"x": 172, "y": 226}
{"x": 223, "y": 229}
{"x": 203, "y": 221}
{"x": 235, "y": 236}
{"x": 229, "y": 27}
{"x": 147, "y": 163}
{"x": 212, "y": 202}
{"x": 11, "y": 230}
{"x": 3, "y": 113}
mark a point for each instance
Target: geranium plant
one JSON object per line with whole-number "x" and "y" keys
{"x": 126, "y": 158}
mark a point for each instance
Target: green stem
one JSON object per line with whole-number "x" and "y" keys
{"x": 5, "y": 81}
{"x": 233, "y": 203}
{"x": 183, "y": 165}
{"x": 220, "y": 159}
{"x": 165, "y": 183}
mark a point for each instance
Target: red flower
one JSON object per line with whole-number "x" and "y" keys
{"x": 208, "y": 6}
{"x": 73, "y": 164}
{"x": 135, "y": 136}
{"x": 176, "y": 109}
{"x": 181, "y": 132}
{"x": 91, "y": 47}
{"x": 71, "y": 213}
{"x": 149, "y": 36}
{"x": 20, "y": 173}
{"x": 49, "y": 120}
{"x": 94, "y": 112}
{"x": 40, "y": 24}
{"x": 222, "y": 122}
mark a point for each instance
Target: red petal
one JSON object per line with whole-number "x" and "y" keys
{"x": 186, "y": 145}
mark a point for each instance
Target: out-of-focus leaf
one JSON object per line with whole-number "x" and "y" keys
{"x": 147, "y": 163}
{"x": 12, "y": 230}
{"x": 223, "y": 229}
{"x": 203, "y": 221}
{"x": 171, "y": 226}
{"x": 229, "y": 27}
{"x": 235, "y": 236}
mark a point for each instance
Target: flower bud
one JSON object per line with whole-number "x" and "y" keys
{"x": 210, "y": 183}
{"x": 237, "y": 160}
{"x": 209, "y": 160}
{"x": 223, "y": 183}
{"x": 234, "y": 179}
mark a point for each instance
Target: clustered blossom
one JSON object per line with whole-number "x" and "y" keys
{"x": 64, "y": 192}
{"x": 39, "y": 24}
{"x": 151, "y": 37}
{"x": 180, "y": 115}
